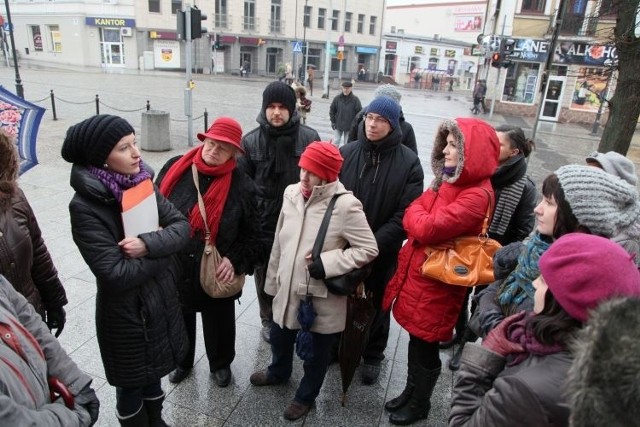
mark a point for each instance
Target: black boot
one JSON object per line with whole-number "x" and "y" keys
{"x": 139, "y": 419}
{"x": 419, "y": 404}
{"x": 397, "y": 403}
{"x": 153, "y": 407}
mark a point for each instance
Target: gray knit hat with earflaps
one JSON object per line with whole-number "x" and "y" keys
{"x": 604, "y": 203}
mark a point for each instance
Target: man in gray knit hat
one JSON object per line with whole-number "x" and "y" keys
{"x": 604, "y": 203}
{"x": 408, "y": 135}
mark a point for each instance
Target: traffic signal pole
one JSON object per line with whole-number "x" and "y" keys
{"x": 495, "y": 87}
{"x": 188, "y": 99}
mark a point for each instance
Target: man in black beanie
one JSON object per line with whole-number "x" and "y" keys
{"x": 272, "y": 151}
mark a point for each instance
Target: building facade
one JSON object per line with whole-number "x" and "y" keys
{"x": 580, "y": 65}
{"x": 259, "y": 34}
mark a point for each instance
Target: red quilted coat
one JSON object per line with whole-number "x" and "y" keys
{"x": 452, "y": 206}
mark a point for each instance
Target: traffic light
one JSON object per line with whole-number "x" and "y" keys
{"x": 216, "y": 41}
{"x": 496, "y": 60}
{"x": 180, "y": 21}
{"x": 197, "y": 30}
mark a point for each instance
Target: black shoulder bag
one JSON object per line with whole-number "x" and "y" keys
{"x": 347, "y": 283}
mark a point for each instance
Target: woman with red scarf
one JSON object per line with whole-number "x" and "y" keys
{"x": 230, "y": 204}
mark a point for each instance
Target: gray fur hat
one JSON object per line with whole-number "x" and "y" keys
{"x": 604, "y": 203}
{"x": 602, "y": 383}
{"x": 388, "y": 90}
{"x": 615, "y": 164}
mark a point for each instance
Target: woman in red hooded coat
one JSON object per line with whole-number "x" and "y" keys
{"x": 465, "y": 155}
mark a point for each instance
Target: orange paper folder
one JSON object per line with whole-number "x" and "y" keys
{"x": 139, "y": 209}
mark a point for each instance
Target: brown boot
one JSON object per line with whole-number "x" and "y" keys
{"x": 296, "y": 410}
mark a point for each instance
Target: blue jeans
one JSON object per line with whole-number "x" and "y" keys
{"x": 282, "y": 346}
{"x": 129, "y": 400}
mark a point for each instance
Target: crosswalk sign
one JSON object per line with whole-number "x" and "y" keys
{"x": 297, "y": 46}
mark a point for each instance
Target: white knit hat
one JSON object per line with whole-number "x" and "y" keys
{"x": 602, "y": 202}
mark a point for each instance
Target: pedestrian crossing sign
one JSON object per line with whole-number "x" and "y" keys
{"x": 297, "y": 46}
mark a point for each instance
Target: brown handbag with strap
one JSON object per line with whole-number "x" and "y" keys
{"x": 468, "y": 263}
{"x": 211, "y": 259}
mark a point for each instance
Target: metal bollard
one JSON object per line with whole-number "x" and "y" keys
{"x": 97, "y": 104}
{"x": 53, "y": 106}
{"x": 206, "y": 120}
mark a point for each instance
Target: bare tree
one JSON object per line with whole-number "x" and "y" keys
{"x": 624, "y": 105}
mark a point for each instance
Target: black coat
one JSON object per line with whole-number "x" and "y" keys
{"x": 238, "y": 234}
{"x": 257, "y": 162}
{"x": 386, "y": 178}
{"x": 343, "y": 110}
{"x": 139, "y": 323}
{"x": 24, "y": 258}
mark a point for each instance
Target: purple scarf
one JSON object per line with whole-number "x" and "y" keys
{"x": 116, "y": 183}
{"x": 518, "y": 332}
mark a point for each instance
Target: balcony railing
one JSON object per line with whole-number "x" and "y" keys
{"x": 249, "y": 23}
{"x": 276, "y": 26}
{"x": 579, "y": 25}
{"x": 222, "y": 21}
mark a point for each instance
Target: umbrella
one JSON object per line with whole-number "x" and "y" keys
{"x": 360, "y": 314}
{"x": 21, "y": 119}
{"x": 304, "y": 340}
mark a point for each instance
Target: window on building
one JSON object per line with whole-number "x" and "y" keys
{"x": 372, "y": 25}
{"x": 176, "y": 5}
{"x": 335, "y": 20}
{"x": 55, "y": 38}
{"x": 347, "y": 22}
{"x": 154, "y": 6}
{"x": 314, "y": 56}
{"x": 360, "y": 23}
{"x": 321, "y": 16}
{"x": 36, "y": 37}
{"x": 608, "y": 8}
{"x": 335, "y": 64}
{"x": 220, "y": 19}
{"x": 535, "y": 6}
{"x": 275, "y": 24}
{"x": 414, "y": 63}
{"x": 521, "y": 83}
{"x": 249, "y": 19}
{"x": 307, "y": 17}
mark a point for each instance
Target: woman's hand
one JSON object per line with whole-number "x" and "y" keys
{"x": 225, "y": 271}
{"x": 133, "y": 247}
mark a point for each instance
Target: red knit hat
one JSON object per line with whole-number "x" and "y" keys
{"x": 224, "y": 129}
{"x": 323, "y": 159}
{"x": 582, "y": 270}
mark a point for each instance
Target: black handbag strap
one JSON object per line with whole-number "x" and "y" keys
{"x": 322, "y": 232}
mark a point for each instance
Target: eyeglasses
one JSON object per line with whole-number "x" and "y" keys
{"x": 377, "y": 119}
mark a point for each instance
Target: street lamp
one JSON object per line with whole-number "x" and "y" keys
{"x": 304, "y": 43}
{"x": 19, "y": 89}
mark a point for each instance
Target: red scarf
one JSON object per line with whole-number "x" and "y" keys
{"x": 215, "y": 197}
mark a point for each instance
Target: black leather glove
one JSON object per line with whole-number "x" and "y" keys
{"x": 316, "y": 269}
{"x": 88, "y": 400}
{"x": 56, "y": 318}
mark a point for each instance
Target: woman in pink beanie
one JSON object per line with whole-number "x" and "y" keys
{"x": 292, "y": 274}
{"x": 518, "y": 375}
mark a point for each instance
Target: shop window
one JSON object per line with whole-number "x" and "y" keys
{"x": 608, "y": 9}
{"x": 521, "y": 83}
{"x": 433, "y": 64}
{"x": 36, "y": 37}
{"x": 55, "y": 38}
{"x": 414, "y": 62}
{"x": 154, "y": 6}
{"x": 314, "y": 56}
{"x": 532, "y": 6}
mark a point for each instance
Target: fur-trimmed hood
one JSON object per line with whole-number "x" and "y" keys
{"x": 604, "y": 379}
{"x": 478, "y": 150}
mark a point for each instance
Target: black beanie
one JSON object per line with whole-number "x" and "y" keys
{"x": 90, "y": 141}
{"x": 279, "y": 92}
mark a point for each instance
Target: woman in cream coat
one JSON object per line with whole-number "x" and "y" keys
{"x": 291, "y": 271}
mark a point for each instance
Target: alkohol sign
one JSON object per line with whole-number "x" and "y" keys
{"x": 567, "y": 52}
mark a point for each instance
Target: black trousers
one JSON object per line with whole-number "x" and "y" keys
{"x": 219, "y": 330}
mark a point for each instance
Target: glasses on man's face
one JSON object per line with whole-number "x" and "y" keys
{"x": 379, "y": 120}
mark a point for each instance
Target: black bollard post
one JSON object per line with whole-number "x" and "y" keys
{"x": 97, "y": 104}
{"x": 206, "y": 120}
{"x": 148, "y": 105}
{"x": 53, "y": 106}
